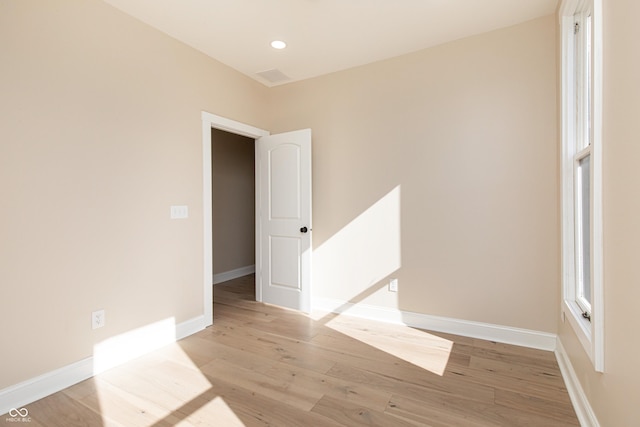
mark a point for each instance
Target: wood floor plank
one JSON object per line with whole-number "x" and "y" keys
{"x": 417, "y": 387}
{"x": 277, "y": 347}
{"x": 260, "y": 365}
{"x": 439, "y": 411}
{"x": 449, "y": 411}
{"x": 60, "y": 410}
{"x": 357, "y": 393}
{"x": 242, "y": 314}
{"x": 82, "y": 389}
{"x": 349, "y": 414}
{"x": 122, "y": 408}
{"x": 547, "y": 361}
{"x": 257, "y": 410}
{"x": 283, "y": 389}
{"x": 528, "y": 381}
{"x": 298, "y": 327}
{"x": 531, "y": 372}
{"x": 420, "y": 348}
{"x": 359, "y": 346}
{"x": 305, "y": 379}
{"x": 166, "y": 385}
{"x": 558, "y": 409}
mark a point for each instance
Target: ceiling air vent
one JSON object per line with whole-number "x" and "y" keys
{"x": 274, "y": 76}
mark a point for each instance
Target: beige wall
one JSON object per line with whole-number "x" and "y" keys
{"x": 614, "y": 394}
{"x": 233, "y": 161}
{"x": 438, "y": 168}
{"x": 100, "y": 124}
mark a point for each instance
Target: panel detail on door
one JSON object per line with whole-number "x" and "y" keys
{"x": 284, "y": 183}
{"x": 285, "y": 262}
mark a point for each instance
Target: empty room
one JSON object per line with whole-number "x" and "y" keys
{"x": 319, "y": 212}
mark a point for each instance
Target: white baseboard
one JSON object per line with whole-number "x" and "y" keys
{"x": 189, "y": 327}
{"x": 581, "y": 404}
{"x": 20, "y": 395}
{"x": 486, "y": 331}
{"x": 233, "y": 274}
{"x": 119, "y": 350}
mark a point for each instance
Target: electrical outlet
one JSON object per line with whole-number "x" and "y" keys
{"x": 97, "y": 319}
{"x": 393, "y": 285}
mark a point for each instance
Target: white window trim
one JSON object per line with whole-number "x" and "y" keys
{"x": 589, "y": 333}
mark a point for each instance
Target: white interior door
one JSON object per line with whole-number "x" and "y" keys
{"x": 283, "y": 208}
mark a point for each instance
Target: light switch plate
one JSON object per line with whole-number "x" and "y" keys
{"x": 179, "y": 212}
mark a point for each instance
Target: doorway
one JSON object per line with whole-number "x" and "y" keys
{"x": 283, "y": 231}
{"x": 233, "y": 209}
{"x": 209, "y": 122}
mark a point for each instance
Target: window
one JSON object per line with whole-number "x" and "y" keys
{"x": 582, "y": 157}
{"x": 580, "y": 22}
{"x": 583, "y": 235}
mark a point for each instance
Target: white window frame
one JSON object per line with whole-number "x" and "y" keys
{"x": 589, "y": 332}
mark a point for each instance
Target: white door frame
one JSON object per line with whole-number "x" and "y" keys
{"x": 212, "y": 121}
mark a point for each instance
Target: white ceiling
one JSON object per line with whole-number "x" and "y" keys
{"x": 323, "y": 36}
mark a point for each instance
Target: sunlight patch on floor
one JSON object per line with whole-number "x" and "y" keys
{"x": 162, "y": 384}
{"x": 414, "y": 346}
{"x": 150, "y": 389}
{"x": 216, "y": 412}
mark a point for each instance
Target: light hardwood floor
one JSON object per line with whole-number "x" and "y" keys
{"x": 259, "y": 365}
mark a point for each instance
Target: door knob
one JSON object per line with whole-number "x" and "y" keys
{"x": 304, "y": 229}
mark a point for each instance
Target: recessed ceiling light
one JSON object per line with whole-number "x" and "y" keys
{"x": 278, "y": 44}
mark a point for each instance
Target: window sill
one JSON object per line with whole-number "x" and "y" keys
{"x": 580, "y": 325}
